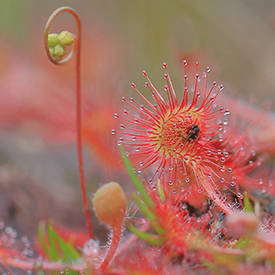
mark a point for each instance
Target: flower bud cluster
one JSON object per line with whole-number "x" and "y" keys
{"x": 57, "y": 43}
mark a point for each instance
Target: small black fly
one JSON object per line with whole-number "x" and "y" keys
{"x": 193, "y": 133}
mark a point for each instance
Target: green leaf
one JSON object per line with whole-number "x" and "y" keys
{"x": 68, "y": 251}
{"x": 149, "y": 215}
{"x": 242, "y": 242}
{"x": 144, "y": 208}
{"x": 160, "y": 191}
{"x": 42, "y": 239}
{"x": 147, "y": 205}
{"x": 54, "y": 249}
{"x": 148, "y": 237}
{"x": 135, "y": 179}
{"x": 247, "y": 205}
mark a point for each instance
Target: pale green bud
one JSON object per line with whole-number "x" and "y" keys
{"x": 160, "y": 191}
{"x": 53, "y": 40}
{"x": 59, "y": 51}
{"x": 52, "y": 51}
{"x": 66, "y": 38}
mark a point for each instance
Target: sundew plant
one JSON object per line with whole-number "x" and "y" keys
{"x": 200, "y": 163}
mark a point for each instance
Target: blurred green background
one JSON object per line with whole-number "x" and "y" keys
{"x": 120, "y": 39}
{"x": 235, "y": 38}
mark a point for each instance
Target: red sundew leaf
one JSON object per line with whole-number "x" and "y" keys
{"x": 179, "y": 140}
{"x": 249, "y": 118}
{"x": 249, "y": 141}
{"x": 7, "y": 252}
{"x": 182, "y": 233}
{"x": 13, "y": 248}
{"x": 177, "y": 230}
{"x": 167, "y": 223}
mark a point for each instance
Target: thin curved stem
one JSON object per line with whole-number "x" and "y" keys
{"x": 77, "y": 46}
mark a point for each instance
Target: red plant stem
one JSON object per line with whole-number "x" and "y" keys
{"x": 45, "y": 265}
{"x": 78, "y": 101}
{"x": 112, "y": 248}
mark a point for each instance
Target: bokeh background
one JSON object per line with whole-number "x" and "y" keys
{"x": 38, "y": 167}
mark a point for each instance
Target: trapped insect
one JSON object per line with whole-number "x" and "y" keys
{"x": 193, "y": 133}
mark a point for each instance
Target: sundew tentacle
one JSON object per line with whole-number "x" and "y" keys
{"x": 170, "y": 89}
{"x": 212, "y": 190}
{"x": 161, "y": 103}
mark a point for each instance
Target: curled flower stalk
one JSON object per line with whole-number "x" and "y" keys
{"x": 56, "y": 52}
{"x": 180, "y": 140}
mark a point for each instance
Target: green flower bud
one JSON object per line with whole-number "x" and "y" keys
{"x": 59, "y": 51}
{"x": 66, "y": 38}
{"x": 53, "y": 40}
